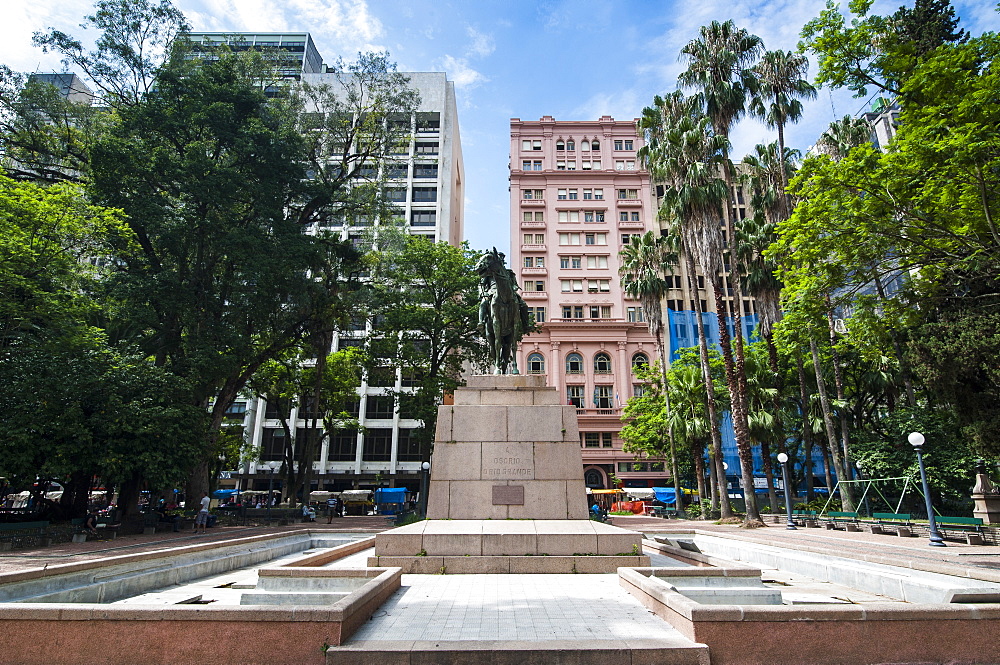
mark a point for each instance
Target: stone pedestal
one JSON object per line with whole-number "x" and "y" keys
{"x": 506, "y": 490}
{"x": 507, "y": 449}
{"x": 987, "y": 500}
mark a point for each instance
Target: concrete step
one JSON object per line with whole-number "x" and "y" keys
{"x": 504, "y": 652}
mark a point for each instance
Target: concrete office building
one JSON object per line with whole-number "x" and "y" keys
{"x": 577, "y": 195}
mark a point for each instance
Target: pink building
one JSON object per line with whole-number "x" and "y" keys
{"x": 576, "y": 196}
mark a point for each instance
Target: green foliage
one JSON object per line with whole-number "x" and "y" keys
{"x": 876, "y": 51}
{"x": 424, "y": 303}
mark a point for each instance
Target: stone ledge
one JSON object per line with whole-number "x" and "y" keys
{"x": 676, "y": 651}
{"x": 515, "y": 565}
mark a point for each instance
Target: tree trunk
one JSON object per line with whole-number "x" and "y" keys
{"x": 128, "y": 497}
{"x": 827, "y": 473}
{"x": 699, "y": 472}
{"x": 737, "y": 398}
{"x": 807, "y": 440}
{"x": 845, "y": 496}
{"x": 838, "y": 379}
{"x": 713, "y": 484}
{"x": 725, "y": 510}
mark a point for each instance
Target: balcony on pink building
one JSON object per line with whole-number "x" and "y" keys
{"x": 631, "y": 224}
{"x": 534, "y": 271}
{"x": 535, "y": 295}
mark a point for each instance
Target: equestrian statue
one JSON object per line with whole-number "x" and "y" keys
{"x": 503, "y": 314}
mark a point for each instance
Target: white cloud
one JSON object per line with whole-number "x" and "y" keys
{"x": 461, "y": 73}
{"x": 621, "y": 105}
{"x": 339, "y": 27}
{"x": 22, "y": 19}
{"x": 482, "y": 44}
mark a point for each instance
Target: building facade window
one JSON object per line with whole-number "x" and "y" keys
{"x": 380, "y": 407}
{"x": 640, "y": 361}
{"x": 574, "y": 396}
{"x": 377, "y": 445}
{"x": 598, "y": 285}
{"x": 425, "y": 171}
{"x": 597, "y": 262}
{"x": 537, "y": 314}
{"x": 343, "y": 447}
{"x": 602, "y": 363}
{"x": 574, "y": 363}
{"x": 536, "y": 364}
{"x": 603, "y": 397}
{"x": 635, "y": 315}
{"x": 425, "y": 194}
{"x": 423, "y": 218}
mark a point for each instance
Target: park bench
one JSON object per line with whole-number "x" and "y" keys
{"x": 805, "y": 518}
{"x": 900, "y": 523}
{"x": 970, "y": 527}
{"x": 848, "y": 519}
{"x": 23, "y": 534}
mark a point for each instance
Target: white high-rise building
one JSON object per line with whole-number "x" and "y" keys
{"x": 424, "y": 178}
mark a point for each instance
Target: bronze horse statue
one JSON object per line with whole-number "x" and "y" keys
{"x": 502, "y": 312}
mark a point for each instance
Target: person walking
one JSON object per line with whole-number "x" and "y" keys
{"x": 331, "y": 508}
{"x": 202, "y": 519}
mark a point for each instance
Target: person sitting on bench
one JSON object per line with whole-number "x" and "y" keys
{"x": 90, "y": 523}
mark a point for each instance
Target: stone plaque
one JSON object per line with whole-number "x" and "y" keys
{"x": 508, "y": 461}
{"x": 508, "y": 495}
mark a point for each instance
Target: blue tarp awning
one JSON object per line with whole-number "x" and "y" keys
{"x": 665, "y": 494}
{"x": 390, "y": 495}
{"x": 222, "y": 494}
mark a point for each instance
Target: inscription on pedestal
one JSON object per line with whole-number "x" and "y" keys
{"x": 508, "y": 495}
{"x": 508, "y": 461}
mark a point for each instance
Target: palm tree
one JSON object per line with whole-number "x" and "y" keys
{"x": 719, "y": 67}
{"x": 843, "y": 135}
{"x": 780, "y": 86}
{"x": 643, "y": 262}
{"x": 683, "y": 152}
{"x": 688, "y": 417}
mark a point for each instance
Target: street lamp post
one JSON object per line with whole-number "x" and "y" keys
{"x": 272, "y": 465}
{"x": 425, "y": 472}
{"x": 916, "y": 440}
{"x": 783, "y": 461}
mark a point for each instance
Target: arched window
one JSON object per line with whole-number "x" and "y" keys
{"x": 602, "y": 363}
{"x": 570, "y": 145}
{"x": 596, "y": 145}
{"x": 560, "y": 145}
{"x": 594, "y": 478}
{"x": 536, "y": 364}
{"x": 640, "y": 360}
{"x": 574, "y": 363}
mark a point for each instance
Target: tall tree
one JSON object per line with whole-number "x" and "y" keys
{"x": 686, "y": 155}
{"x": 719, "y": 66}
{"x": 425, "y": 306}
{"x": 781, "y": 85}
{"x": 644, "y": 263}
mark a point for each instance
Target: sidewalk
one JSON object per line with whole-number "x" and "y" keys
{"x": 957, "y": 558}
{"x": 133, "y": 543}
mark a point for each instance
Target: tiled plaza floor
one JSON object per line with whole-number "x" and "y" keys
{"x": 512, "y": 607}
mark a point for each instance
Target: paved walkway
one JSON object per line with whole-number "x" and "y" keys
{"x": 981, "y": 561}
{"x": 512, "y": 607}
{"x": 133, "y": 543}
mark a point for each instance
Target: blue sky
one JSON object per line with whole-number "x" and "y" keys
{"x": 571, "y": 59}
